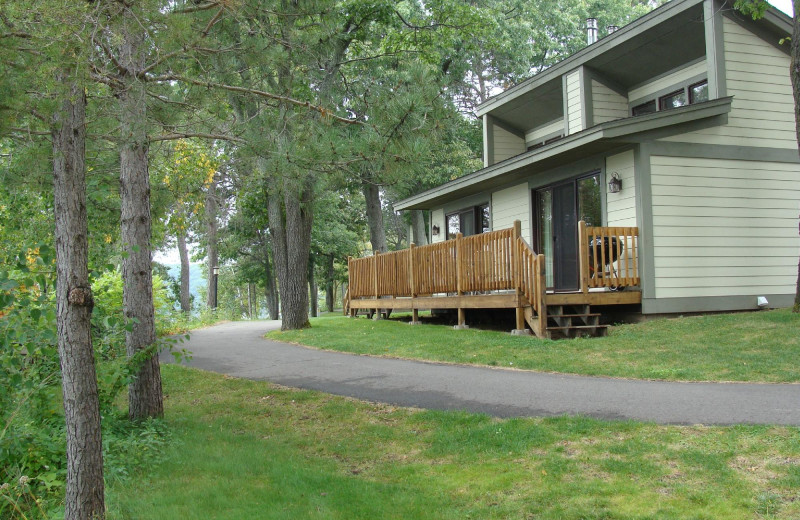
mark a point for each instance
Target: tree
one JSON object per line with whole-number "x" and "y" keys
{"x": 186, "y": 173}
{"x": 84, "y": 497}
{"x": 85, "y": 492}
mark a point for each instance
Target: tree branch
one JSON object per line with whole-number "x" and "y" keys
{"x": 260, "y": 93}
{"x": 202, "y": 7}
{"x": 176, "y": 136}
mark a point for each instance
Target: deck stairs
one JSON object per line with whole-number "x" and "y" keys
{"x": 567, "y": 321}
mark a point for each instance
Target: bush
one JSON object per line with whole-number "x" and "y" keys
{"x": 32, "y": 429}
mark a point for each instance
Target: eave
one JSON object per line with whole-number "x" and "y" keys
{"x": 591, "y": 141}
{"x": 584, "y": 55}
{"x": 773, "y": 26}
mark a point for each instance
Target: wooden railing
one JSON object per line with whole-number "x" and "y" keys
{"x": 495, "y": 261}
{"x": 608, "y": 256}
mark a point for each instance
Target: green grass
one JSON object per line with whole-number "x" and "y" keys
{"x": 244, "y": 449}
{"x": 754, "y": 346}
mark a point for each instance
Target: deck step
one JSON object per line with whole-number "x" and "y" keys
{"x": 570, "y": 321}
{"x": 576, "y": 330}
{"x": 578, "y": 327}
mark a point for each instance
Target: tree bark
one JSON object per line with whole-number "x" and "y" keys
{"x": 313, "y": 291}
{"x": 377, "y": 232}
{"x": 84, "y": 486}
{"x": 271, "y": 289}
{"x": 252, "y": 300}
{"x": 290, "y": 219}
{"x": 419, "y": 236}
{"x": 212, "y": 258}
{"x": 186, "y": 297}
{"x": 794, "y": 73}
{"x": 144, "y": 393}
{"x": 330, "y": 297}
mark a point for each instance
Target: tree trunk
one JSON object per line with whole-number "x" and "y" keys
{"x": 419, "y": 236}
{"x": 271, "y": 290}
{"x": 330, "y": 298}
{"x": 144, "y": 393}
{"x": 313, "y": 291}
{"x": 377, "y": 233}
{"x": 290, "y": 220}
{"x": 186, "y": 297}
{"x": 212, "y": 259}
{"x": 252, "y": 300}
{"x": 794, "y": 72}
{"x": 84, "y": 487}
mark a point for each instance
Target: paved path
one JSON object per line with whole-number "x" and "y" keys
{"x": 238, "y": 349}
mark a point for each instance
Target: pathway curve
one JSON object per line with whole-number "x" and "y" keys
{"x": 239, "y": 349}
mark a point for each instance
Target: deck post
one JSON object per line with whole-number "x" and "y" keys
{"x": 583, "y": 257}
{"x": 377, "y": 314}
{"x": 541, "y": 295}
{"x": 516, "y": 270}
{"x": 462, "y": 319}
{"x": 411, "y": 281}
{"x": 346, "y": 297}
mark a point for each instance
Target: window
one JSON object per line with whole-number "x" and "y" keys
{"x": 644, "y": 108}
{"x": 539, "y": 144}
{"x": 469, "y": 221}
{"x": 698, "y": 92}
{"x": 688, "y": 95}
{"x": 672, "y": 100}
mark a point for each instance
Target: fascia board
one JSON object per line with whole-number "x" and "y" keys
{"x": 584, "y": 55}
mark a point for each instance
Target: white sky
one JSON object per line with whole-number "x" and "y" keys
{"x": 783, "y": 5}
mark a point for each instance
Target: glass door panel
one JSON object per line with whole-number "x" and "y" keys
{"x": 565, "y": 238}
{"x": 544, "y": 205}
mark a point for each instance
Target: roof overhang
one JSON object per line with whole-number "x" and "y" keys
{"x": 598, "y": 139}
{"x": 619, "y": 38}
{"x": 659, "y": 41}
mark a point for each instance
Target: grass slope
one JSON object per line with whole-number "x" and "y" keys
{"x": 244, "y": 449}
{"x": 755, "y": 346}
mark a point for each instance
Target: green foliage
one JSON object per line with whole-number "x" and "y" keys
{"x": 753, "y": 8}
{"x": 32, "y": 432}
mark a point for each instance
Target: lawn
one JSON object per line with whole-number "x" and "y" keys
{"x": 244, "y": 449}
{"x": 752, "y": 346}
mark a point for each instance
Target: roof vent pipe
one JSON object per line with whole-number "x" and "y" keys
{"x": 591, "y": 30}
{"x": 612, "y": 29}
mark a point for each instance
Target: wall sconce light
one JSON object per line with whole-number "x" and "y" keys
{"x": 615, "y": 183}
{"x": 435, "y": 230}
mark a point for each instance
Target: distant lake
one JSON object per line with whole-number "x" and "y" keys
{"x": 196, "y": 278}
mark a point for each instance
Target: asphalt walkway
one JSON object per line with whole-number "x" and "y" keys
{"x": 239, "y": 349}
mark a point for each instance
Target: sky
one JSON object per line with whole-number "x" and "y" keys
{"x": 783, "y": 5}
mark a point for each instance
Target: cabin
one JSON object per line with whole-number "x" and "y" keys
{"x": 655, "y": 169}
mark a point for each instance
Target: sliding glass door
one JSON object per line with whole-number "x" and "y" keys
{"x": 558, "y": 208}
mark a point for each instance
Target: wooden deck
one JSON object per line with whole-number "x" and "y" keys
{"x": 499, "y": 270}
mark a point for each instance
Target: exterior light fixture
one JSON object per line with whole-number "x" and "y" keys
{"x": 435, "y": 230}
{"x": 615, "y": 183}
